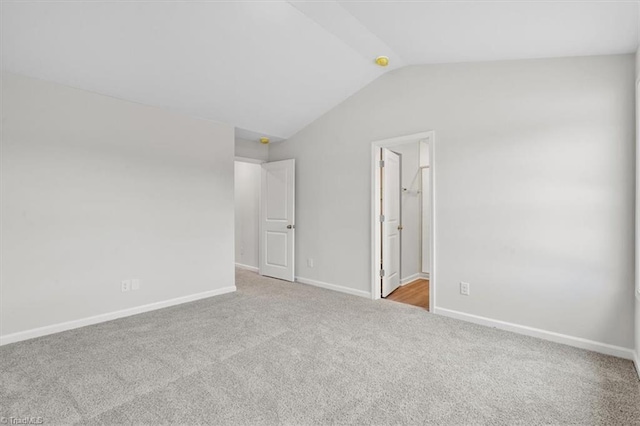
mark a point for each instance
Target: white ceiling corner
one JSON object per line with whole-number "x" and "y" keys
{"x": 250, "y": 135}
{"x": 337, "y": 20}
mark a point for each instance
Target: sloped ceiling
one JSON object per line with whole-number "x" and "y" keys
{"x": 272, "y": 67}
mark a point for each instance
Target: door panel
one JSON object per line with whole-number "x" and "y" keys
{"x": 391, "y": 224}
{"x": 276, "y": 186}
{"x": 276, "y": 249}
{"x": 277, "y": 220}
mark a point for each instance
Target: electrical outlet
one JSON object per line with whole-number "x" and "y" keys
{"x": 135, "y": 284}
{"x": 310, "y": 263}
{"x": 464, "y": 288}
{"x": 126, "y": 285}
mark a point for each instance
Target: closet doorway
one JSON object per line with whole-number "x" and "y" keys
{"x": 403, "y": 220}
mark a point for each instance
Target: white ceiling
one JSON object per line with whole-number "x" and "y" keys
{"x": 440, "y": 32}
{"x": 272, "y": 67}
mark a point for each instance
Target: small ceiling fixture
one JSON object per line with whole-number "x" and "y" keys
{"x": 264, "y": 140}
{"x": 383, "y": 61}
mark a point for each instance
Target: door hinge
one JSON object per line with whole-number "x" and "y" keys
{"x": 381, "y": 218}
{"x": 382, "y": 272}
{"x": 381, "y": 163}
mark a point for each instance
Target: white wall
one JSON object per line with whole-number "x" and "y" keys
{"x": 251, "y": 149}
{"x": 534, "y": 176}
{"x": 637, "y": 251}
{"x": 411, "y": 238}
{"x": 96, "y": 190}
{"x": 247, "y": 197}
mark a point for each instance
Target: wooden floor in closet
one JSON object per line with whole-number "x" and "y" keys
{"x": 415, "y": 293}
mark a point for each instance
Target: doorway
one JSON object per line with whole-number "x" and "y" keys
{"x": 403, "y": 219}
{"x": 265, "y": 217}
{"x": 247, "y": 212}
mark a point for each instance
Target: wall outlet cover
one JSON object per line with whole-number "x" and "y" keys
{"x": 125, "y": 285}
{"x": 135, "y": 284}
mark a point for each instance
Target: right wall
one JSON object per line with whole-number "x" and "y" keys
{"x": 637, "y": 260}
{"x": 534, "y": 182}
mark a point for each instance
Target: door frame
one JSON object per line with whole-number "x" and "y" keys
{"x": 249, "y": 160}
{"x": 376, "y": 237}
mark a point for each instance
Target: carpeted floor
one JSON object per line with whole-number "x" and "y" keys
{"x": 283, "y": 353}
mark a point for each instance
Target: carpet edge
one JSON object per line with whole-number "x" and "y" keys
{"x": 109, "y": 316}
{"x": 334, "y": 287}
{"x": 577, "y": 342}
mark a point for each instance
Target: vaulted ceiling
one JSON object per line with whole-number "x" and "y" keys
{"x": 272, "y": 67}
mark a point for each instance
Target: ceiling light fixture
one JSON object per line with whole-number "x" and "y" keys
{"x": 264, "y": 140}
{"x": 383, "y": 61}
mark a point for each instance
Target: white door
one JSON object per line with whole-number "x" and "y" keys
{"x": 277, "y": 224}
{"x": 391, "y": 225}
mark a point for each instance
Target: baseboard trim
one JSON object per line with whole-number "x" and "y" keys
{"x": 247, "y": 267}
{"x": 416, "y": 276}
{"x": 578, "y": 342}
{"x": 636, "y": 361}
{"x": 334, "y": 287}
{"x": 83, "y": 322}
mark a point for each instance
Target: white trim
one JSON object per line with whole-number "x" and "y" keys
{"x": 249, "y": 160}
{"x": 334, "y": 287}
{"x": 375, "y": 210}
{"x": 247, "y": 267}
{"x": 416, "y": 276}
{"x": 83, "y": 322}
{"x": 578, "y": 342}
{"x": 636, "y": 361}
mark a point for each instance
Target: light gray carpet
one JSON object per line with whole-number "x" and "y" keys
{"x": 283, "y": 353}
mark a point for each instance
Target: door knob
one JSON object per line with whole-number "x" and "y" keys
{"x": 291, "y": 226}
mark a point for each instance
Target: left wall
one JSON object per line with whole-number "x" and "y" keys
{"x": 251, "y": 149}
{"x": 96, "y": 190}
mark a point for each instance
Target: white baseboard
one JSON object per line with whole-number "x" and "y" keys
{"x": 83, "y": 322}
{"x": 334, "y": 287}
{"x": 412, "y": 278}
{"x": 578, "y": 342}
{"x": 636, "y": 361}
{"x": 247, "y": 267}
